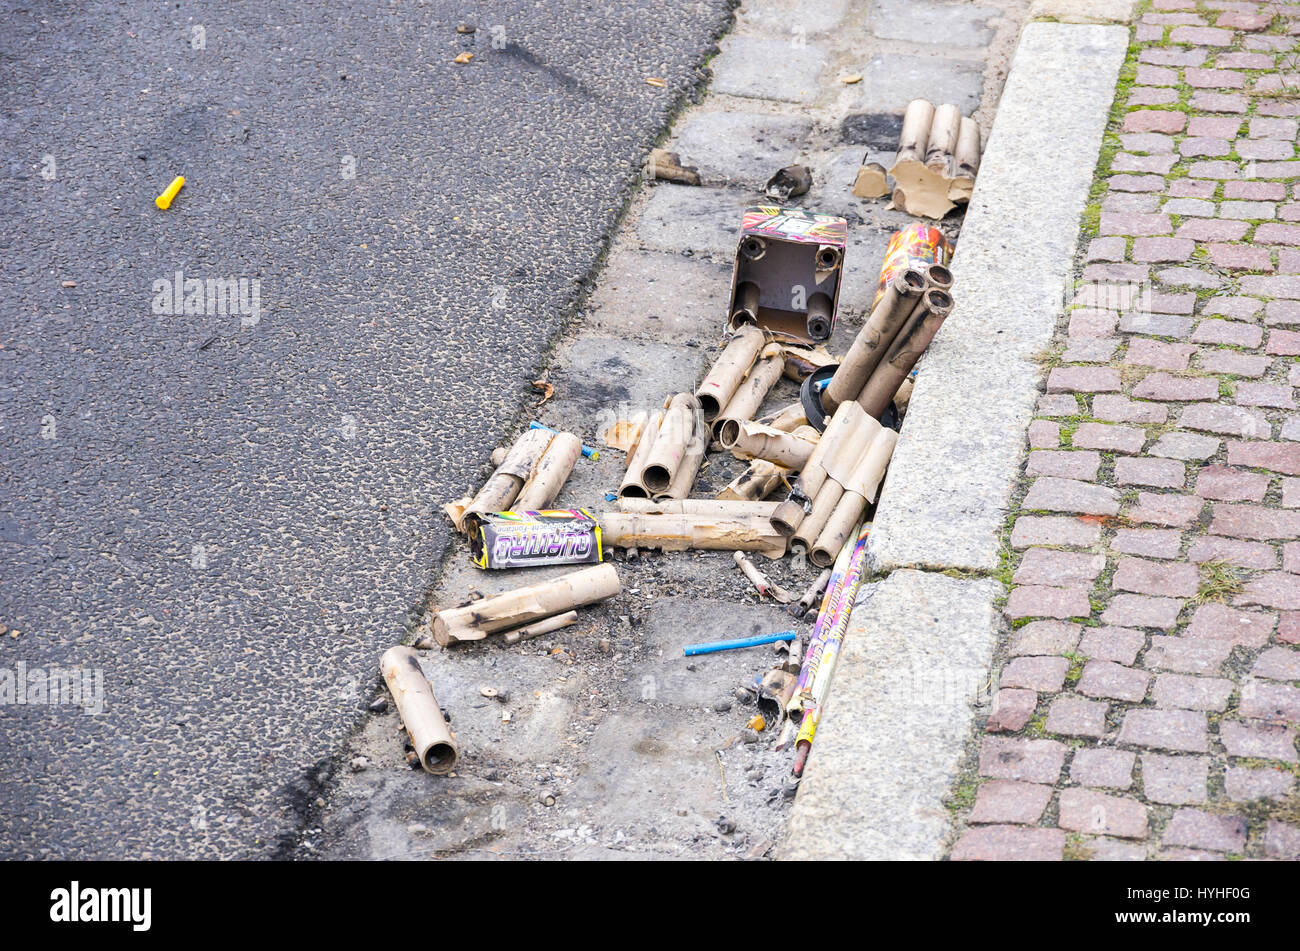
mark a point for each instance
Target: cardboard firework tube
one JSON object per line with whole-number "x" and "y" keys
{"x": 853, "y": 503}
{"x": 967, "y": 154}
{"x": 418, "y": 708}
{"x": 915, "y": 136}
{"x": 904, "y": 394}
{"x": 788, "y": 418}
{"x": 684, "y": 477}
{"x": 900, "y": 299}
{"x": 774, "y": 693}
{"x": 749, "y": 396}
{"x": 915, "y": 246}
{"x": 539, "y": 628}
{"x": 942, "y": 142}
{"x": 828, "y": 496}
{"x": 762, "y": 584}
{"x": 842, "y": 459}
{"x": 818, "y": 316}
{"x": 717, "y": 387}
{"x": 828, "y": 257}
{"x": 551, "y": 473}
{"x": 789, "y": 514}
{"x": 523, "y": 606}
{"x": 905, "y": 351}
{"x": 503, "y": 486}
{"x": 632, "y": 486}
{"x": 757, "y": 482}
{"x": 938, "y": 275}
{"x": 841, "y": 445}
{"x": 844, "y": 519}
{"x": 800, "y": 607}
{"x": 675, "y": 434}
{"x": 691, "y": 531}
{"x": 791, "y": 450}
{"x": 714, "y": 508}
{"x": 499, "y": 455}
{"x": 745, "y": 313}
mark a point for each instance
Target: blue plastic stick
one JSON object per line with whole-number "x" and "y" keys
{"x": 712, "y": 647}
{"x": 586, "y": 450}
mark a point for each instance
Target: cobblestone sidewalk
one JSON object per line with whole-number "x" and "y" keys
{"x": 1149, "y": 686}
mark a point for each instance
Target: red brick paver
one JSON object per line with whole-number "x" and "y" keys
{"x": 1148, "y": 702}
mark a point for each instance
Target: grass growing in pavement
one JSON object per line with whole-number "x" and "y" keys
{"x": 1219, "y": 581}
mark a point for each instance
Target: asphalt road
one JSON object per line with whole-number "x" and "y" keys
{"x": 232, "y": 515}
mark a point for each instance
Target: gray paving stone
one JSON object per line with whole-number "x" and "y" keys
{"x": 702, "y": 220}
{"x": 896, "y": 723}
{"x": 761, "y": 68}
{"x": 922, "y": 21}
{"x": 891, "y": 80}
{"x": 744, "y": 147}
{"x": 783, "y": 17}
{"x": 668, "y": 296}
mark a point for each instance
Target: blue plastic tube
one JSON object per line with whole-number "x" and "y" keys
{"x": 712, "y": 647}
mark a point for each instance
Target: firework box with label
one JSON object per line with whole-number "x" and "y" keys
{"x": 788, "y": 268}
{"x": 914, "y": 246}
{"x": 530, "y": 539}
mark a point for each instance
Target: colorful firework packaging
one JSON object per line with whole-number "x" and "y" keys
{"x": 828, "y": 637}
{"x": 530, "y": 539}
{"x": 914, "y": 246}
{"x": 787, "y": 273}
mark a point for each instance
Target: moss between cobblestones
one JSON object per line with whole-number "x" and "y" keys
{"x": 962, "y": 796}
{"x": 1090, "y": 223}
{"x": 1077, "y": 848}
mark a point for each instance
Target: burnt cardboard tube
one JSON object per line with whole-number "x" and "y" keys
{"x": 746, "y": 310}
{"x": 873, "y": 340}
{"x": 727, "y": 372}
{"x": 819, "y": 316}
{"x": 669, "y": 449}
{"x": 418, "y": 708}
{"x": 903, "y": 353}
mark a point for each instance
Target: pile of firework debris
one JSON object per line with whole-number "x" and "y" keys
{"x": 815, "y": 466}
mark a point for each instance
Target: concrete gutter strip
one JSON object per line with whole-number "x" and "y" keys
{"x": 920, "y": 644}
{"x": 952, "y": 475}
{"x": 915, "y": 659}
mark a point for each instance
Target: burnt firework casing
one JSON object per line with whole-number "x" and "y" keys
{"x": 787, "y": 273}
